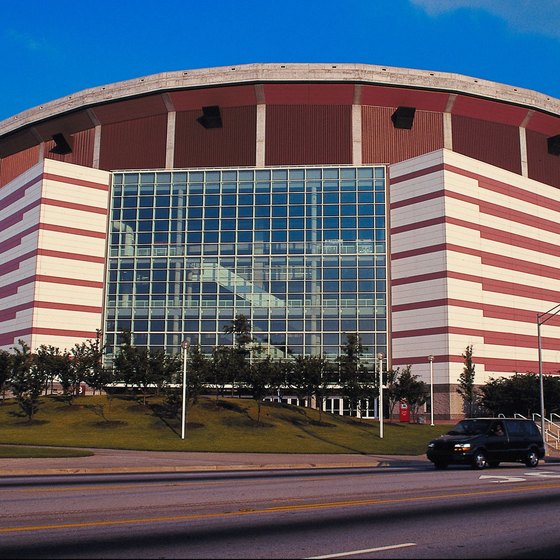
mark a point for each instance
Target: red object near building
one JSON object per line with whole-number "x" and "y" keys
{"x": 404, "y": 412}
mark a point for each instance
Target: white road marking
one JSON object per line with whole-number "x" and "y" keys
{"x": 502, "y": 478}
{"x": 364, "y": 551}
{"x": 543, "y": 474}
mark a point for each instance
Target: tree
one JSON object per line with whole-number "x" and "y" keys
{"x": 411, "y": 389}
{"x": 218, "y": 368}
{"x": 520, "y": 394}
{"x": 257, "y": 377}
{"x": 88, "y": 359}
{"x": 393, "y": 390}
{"x": 238, "y": 365}
{"x": 467, "y": 388}
{"x": 308, "y": 376}
{"x": 5, "y": 370}
{"x": 26, "y": 380}
{"x": 356, "y": 383}
{"x": 197, "y": 374}
{"x": 56, "y": 365}
{"x": 142, "y": 368}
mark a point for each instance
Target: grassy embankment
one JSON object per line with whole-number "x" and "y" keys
{"x": 222, "y": 425}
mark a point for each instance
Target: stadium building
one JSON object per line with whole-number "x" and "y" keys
{"x": 419, "y": 209}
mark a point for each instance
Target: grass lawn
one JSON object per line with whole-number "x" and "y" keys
{"x": 223, "y": 425}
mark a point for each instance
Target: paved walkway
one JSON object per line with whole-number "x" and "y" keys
{"x": 121, "y": 461}
{"x": 125, "y": 461}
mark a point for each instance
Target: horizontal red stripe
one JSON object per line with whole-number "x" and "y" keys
{"x": 490, "y": 338}
{"x": 485, "y": 182}
{"x": 68, "y": 281}
{"x": 14, "y": 264}
{"x": 418, "y": 173}
{"x": 19, "y": 216}
{"x": 500, "y": 187}
{"x": 419, "y": 225}
{"x": 74, "y": 231}
{"x": 16, "y": 240}
{"x": 489, "y": 311}
{"x": 491, "y": 365}
{"x": 486, "y": 232}
{"x": 76, "y": 182}
{"x": 18, "y": 193}
{"x": 486, "y": 258}
{"x": 10, "y": 338}
{"x": 418, "y": 199}
{"x": 63, "y": 332}
{"x": 488, "y": 285}
{"x": 11, "y": 312}
{"x": 74, "y": 206}
{"x": 11, "y": 289}
{"x": 71, "y": 256}
{"x": 11, "y": 266}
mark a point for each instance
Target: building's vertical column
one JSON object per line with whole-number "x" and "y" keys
{"x": 357, "y": 126}
{"x": 170, "y": 140}
{"x": 260, "y": 156}
{"x": 96, "y": 139}
{"x": 523, "y": 143}
{"x": 447, "y": 123}
{"x": 39, "y": 139}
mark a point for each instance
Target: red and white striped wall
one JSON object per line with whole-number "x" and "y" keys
{"x": 53, "y": 220}
{"x": 475, "y": 255}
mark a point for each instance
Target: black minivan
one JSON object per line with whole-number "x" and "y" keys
{"x": 486, "y": 442}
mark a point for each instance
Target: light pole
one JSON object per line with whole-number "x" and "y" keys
{"x": 185, "y": 348}
{"x": 550, "y": 313}
{"x": 431, "y": 360}
{"x": 380, "y": 358}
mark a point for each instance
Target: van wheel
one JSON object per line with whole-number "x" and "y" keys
{"x": 479, "y": 461}
{"x": 440, "y": 465}
{"x": 532, "y": 459}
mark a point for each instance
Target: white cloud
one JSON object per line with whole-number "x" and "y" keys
{"x": 528, "y": 16}
{"x": 26, "y": 41}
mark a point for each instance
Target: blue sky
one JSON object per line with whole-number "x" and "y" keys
{"x": 55, "y": 48}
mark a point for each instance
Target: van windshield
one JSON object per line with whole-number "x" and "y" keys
{"x": 470, "y": 428}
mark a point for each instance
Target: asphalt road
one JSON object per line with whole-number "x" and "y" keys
{"x": 408, "y": 510}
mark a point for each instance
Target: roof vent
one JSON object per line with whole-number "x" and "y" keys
{"x": 61, "y": 145}
{"x": 403, "y": 117}
{"x": 554, "y": 145}
{"x": 211, "y": 117}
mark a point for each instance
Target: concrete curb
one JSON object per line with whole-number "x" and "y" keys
{"x": 187, "y": 469}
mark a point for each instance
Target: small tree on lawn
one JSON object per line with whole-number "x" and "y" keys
{"x": 257, "y": 377}
{"x": 238, "y": 365}
{"x": 467, "y": 388}
{"x": 355, "y": 381}
{"x": 142, "y": 368}
{"x": 26, "y": 380}
{"x": 411, "y": 389}
{"x": 88, "y": 358}
{"x": 5, "y": 371}
{"x": 54, "y": 364}
{"x": 393, "y": 390}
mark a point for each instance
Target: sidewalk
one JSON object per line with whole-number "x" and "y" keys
{"x": 124, "y": 461}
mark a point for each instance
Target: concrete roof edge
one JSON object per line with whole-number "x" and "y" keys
{"x": 278, "y": 72}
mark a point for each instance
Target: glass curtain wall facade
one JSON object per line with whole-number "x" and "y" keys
{"x": 301, "y": 252}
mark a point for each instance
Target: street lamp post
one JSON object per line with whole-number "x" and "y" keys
{"x": 548, "y": 314}
{"x": 185, "y": 349}
{"x": 380, "y": 358}
{"x": 431, "y": 360}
